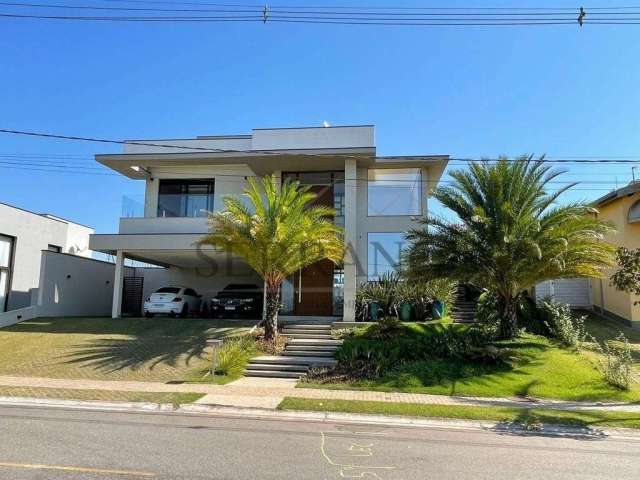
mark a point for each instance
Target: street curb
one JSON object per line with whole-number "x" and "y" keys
{"x": 324, "y": 417}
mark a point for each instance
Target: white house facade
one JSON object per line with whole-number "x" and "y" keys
{"x": 23, "y": 237}
{"x": 376, "y": 198}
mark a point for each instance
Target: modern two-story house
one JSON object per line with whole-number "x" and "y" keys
{"x": 376, "y": 199}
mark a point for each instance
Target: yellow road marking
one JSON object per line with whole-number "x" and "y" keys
{"x": 98, "y": 471}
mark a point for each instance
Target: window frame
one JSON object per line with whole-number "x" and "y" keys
{"x": 420, "y": 183}
{"x": 186, "y": 182}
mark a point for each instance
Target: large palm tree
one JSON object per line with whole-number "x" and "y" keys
{"x": 509, "y": 234}
{"x": 278, "y": 232}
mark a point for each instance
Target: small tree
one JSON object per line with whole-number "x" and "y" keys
{"x": 627, "y": 278}
{"x": 280, "y": 232}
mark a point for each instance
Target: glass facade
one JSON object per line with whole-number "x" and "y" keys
{"x": 185, "y": 198}
{"x": 333, "y": 182}
{"x": 396, "y": 191}
{"x": 384, "y": 253}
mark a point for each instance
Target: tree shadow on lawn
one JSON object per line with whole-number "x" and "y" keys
{"x": 176, "y": 343}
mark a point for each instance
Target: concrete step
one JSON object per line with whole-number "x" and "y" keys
{"x": 306, "y": 353}
{"x": 316, "y": 331}
{"x": 316, "y": 348}
{"x": 294, "y": 360}
{"x": 314, "y": 341}
{"x": 272, "y": 374}
{"x": 307, "y": 326}
{"x": 306, "y": 320}
{"x": 318, "y": 336}
{"x": 283, "y": 367}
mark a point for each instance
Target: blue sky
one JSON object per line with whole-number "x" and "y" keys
{"x": 465, "y": 91}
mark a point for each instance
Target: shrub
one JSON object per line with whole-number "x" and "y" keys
{"x": 560, "y": 323}
{"x": 617, "y": 363}
{"x": 234, "y": 354}
{"x": 487, "y": 313}
{"x": 390, "y": 291}
{"x": 372, "y": 355}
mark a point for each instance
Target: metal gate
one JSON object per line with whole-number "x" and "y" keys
{"x": 132, "y": 296}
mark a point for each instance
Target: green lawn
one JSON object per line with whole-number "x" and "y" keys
{"x": 159, "y": 349}
{"x": 590, "y": 418}
{"x": 605, "y": 329}
{"x": 102, "y": 395}
{"x": 541, "y": 368}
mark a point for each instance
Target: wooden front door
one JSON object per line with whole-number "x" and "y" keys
{"x": 313, "y": 289}
{"x": 313, "y": 285}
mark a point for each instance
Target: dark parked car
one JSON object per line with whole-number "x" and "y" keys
{"x": 238, "y": 300}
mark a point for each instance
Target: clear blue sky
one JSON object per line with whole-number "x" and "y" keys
{"x": 474, "y": 91}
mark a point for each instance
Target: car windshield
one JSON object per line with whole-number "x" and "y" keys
{"x": 168, "y": 290}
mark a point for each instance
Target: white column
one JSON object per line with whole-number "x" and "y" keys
{"x": 351, "y": 238}
{"x": 116, "y": 307}
{"x": 278, "y": 175}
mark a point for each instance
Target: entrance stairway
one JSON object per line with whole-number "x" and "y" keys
{"x": 309, "y": 345}
{"x": 464, "y": 309}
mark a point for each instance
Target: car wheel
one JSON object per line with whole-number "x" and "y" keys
{"x": 148, "y": 314}
{"x": 185, "y": 311}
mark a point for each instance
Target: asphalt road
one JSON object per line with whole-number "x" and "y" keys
{"x": 45, "y": 443}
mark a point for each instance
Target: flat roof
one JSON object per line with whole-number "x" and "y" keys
{"x": 49, "y": 216}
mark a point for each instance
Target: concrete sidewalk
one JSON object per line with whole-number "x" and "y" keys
{"x": 268, "y": 393}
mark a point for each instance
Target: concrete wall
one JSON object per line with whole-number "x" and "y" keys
{"x": 75, "y": 286}
{"x": 269, "y": 139}
{"x": 229, "y": 180}
{"x": 34, "y": 233}
{"x": 605, "y": 297}
{"x": 314, "y": 137}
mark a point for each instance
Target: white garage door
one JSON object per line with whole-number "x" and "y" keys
{"x": 572, "y": 291}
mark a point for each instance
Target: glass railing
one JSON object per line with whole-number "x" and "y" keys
{"x": 132, "y": 206}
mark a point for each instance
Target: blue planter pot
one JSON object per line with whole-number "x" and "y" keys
{"x": 405, "y": 311}
{"x": 374, "y": 309}
{"x": 437, "y": 310}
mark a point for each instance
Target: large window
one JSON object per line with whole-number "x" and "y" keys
{"x": 185, "y": 198}
{"x": 384, "y": 253}
{"x": 6, "y": 257}
{"x": 396, "y": 191}
{"x": 329, "y": 186}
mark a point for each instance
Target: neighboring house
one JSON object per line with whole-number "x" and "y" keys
{"x": 376, "y": 198}
{"x": 23, "y": 237}
{"x": 622, "y": 208}
{"x": 575, "y": 292}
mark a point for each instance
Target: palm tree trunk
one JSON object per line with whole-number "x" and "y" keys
{"x": 508, "y": 319}
{"x": 272, "y": 307}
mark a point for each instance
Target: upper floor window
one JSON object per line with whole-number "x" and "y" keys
{"x": 329, "y": 186}
{"x": 394, "y": 191}
{"x": 185, "y": 198}
{"x": 634, "y": 213}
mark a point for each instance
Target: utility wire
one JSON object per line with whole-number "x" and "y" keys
{"x": 285, "y": 153}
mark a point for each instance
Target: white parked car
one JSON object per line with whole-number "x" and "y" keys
{"x": 173, "y": 301}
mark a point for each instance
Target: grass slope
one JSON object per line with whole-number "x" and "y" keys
{"x": 541, "y": 369}
{"x": 591, "y": 418}
{"x": 157, "y": 349}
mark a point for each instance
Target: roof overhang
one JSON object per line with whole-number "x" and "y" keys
{"x": 262, "y": 163}
{"x": 138, "y": 166}
{"x": 626, "y": 191}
